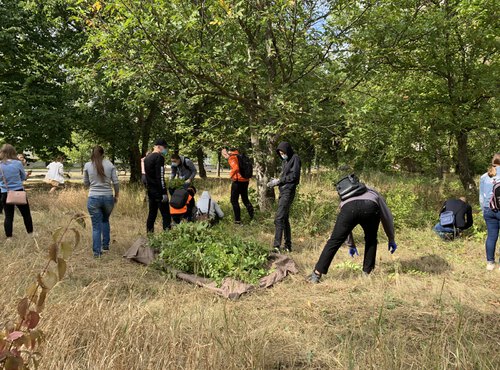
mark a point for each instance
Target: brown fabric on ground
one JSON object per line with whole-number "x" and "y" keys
{"x": 280, "y": 266}
{"x": 140, "y": 252}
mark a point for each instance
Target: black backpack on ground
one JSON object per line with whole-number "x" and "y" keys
{"x": 246, "y": 166}
{"x": 495, "y": 198}
{"x": 349, "y": 187}
{"x": 179, "y": 198}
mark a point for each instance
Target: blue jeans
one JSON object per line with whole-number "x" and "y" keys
{"x": 100, "y": 208}
{"x": 492, "y": 226}
{"x": 445, "y": 233}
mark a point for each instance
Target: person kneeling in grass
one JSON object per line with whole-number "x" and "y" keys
{"x": 363, "y": 206}
{"x": 455, "y": 216}
{"x": 182, "y": 205}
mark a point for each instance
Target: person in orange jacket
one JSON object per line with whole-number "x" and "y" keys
{"x": 239, "y": 186}
{"x": 186, "y": 211}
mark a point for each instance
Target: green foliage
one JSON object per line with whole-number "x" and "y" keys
{"x": 313, "y": 213}
{"x": 176, "y": 183}
{"x": 210, "y": 252}
{"x": 20, "y": 341}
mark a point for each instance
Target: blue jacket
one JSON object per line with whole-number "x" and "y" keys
{"x": 13, "y": 172}
{"x": 486, "y": 188}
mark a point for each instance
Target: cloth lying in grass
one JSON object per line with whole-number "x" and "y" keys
{"x": 280, "y": 266}
{"x": 140, "y": 252}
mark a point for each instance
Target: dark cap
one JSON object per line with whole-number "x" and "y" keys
{"x": 161, "y": 142}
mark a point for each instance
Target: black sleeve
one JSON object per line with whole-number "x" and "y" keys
{"x": 468, "y": 215}
{"x": 160, "y": 173}
{"x": 293, "y": 174}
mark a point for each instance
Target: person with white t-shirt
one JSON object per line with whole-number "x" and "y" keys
{"x": 55, "y": 174}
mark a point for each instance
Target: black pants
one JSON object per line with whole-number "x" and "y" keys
{"x": 177, "y": 219}
{"x": 358, "y": 212}
{"x": 282, "y": 219}
{"x": 9, "y": 211}
{"x": 240, "y": 189}
{"x": 155, "y": 204}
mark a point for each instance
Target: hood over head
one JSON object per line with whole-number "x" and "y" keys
{"x": 285, "y": 147}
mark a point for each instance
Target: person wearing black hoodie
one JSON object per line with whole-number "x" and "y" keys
{"x": 288, "y": 181}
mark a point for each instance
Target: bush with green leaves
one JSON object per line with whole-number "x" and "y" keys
{"x": 213, "y": 253}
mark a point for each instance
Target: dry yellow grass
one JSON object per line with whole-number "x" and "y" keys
{"x": 430, "y": 306}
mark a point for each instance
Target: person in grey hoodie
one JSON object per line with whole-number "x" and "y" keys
{"x": 206, "y": 206}
{"x": 366, "y": 209}
{"x": 287, "y": 183}
{"x": 100, "y": 176}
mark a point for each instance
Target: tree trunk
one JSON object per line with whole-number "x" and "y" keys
{"x": 219, "y": 158}
{"x": 463, "y": 163}
{"x": 201, "y": 163}
{"x": 264, "y": 155}
{"x": 135, "y": 164}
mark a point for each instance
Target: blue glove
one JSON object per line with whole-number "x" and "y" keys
{"x": 353, "y": 251}
{"x": 392, "y": 247}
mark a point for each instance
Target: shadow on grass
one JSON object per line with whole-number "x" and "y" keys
{"x": 430, "y": 264}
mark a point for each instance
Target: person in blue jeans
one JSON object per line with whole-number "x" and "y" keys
{"x": 101, "y": 177}
{"x": 491, "y": 218}
{"x": 462, "y": 219}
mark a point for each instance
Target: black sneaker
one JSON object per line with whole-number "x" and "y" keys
{"x": 288, "y": 249}
{"x": 277, "y": 250}
{"x": 105, "y": 249}
{"x": 314, "y": 278}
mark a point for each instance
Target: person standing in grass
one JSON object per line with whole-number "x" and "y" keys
{"x": 288, "y": 181}
{"x": 55, "y": 174}
{"x": 101, "y": 177}
{"x": 492, "y": 218}
{"x": 239, "y": 185}
{"x": 12, "y": 175}
{"x": 154, "y": 166}
{"x": 359, "y": 206}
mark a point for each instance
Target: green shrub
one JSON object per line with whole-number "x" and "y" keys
{"x": 213, "y": 253}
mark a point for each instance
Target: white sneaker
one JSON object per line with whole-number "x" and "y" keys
{"x": 490, "y": 266}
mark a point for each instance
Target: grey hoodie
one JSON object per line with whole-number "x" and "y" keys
{"x": 203, "y": 202}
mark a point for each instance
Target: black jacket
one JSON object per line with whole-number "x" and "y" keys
{"x": 290, "y": 175}
{"x": 154, "y": 166}
{"x": 462, "y": 212}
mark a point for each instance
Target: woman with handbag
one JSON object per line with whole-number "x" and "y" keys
{"x": 12, "y": 175}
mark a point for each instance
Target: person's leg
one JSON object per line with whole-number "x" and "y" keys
{"x": 235, "y": 195}
{"x": 9, "y": 216}
{"x": 96, "y": 216}
{"x": 288, "y": 229}
{"x": 244, "y": 198}
{"x": 346, "y": 221}
{"x": 153, "y": 212}
{"x": 492, "y": 234}
{"x": 26, "y": 213}
{"x": 445, "y": 233}
{"x": 370, "y": 221}
{"x": 165, "y": 215}
{"x": 281, "y": 215}
{"x": 176, "y": 219}
{"x": 108, "y": 204}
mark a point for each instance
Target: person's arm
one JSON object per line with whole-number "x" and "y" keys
{"x": 160, "y": 173}
{"x": 294, "y": 173}
{"x": 350, "y": 241}
{"x": 481, "y": 191}
{"x": 386, "y": 218}
{"x": 218, "y": 210}
{"x": 22, "y": 172}
{"x": 192, "y": 168}
{"x": 60, "y": 170}
{"x": 235, "y": 168}
{"x": 86, "y": 179}
{"x": 115, "y": 181}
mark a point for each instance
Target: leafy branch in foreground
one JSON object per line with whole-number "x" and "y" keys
{"x": 21, "y": 339}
